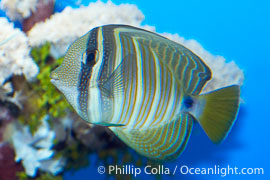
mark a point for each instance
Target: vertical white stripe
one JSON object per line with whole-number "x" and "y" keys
{"x": 170, "y": 104}
{"x": 94, "y": 105}
{"x": 156, "y": 101}
{"x": 118, "y": 56}
{"x": 118, "y": 100}
{"x": 139, "y": 81}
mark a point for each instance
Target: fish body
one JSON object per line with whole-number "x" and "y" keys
{"x": 145, "y": 88}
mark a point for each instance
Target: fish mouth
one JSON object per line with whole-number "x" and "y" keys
{"x": 54, "y": 76}
{"x": 54, "y": 79}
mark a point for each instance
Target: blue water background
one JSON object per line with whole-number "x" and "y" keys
{"x": 239, "y": 31}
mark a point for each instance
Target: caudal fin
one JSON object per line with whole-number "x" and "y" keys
{"x": 219, "y": 112}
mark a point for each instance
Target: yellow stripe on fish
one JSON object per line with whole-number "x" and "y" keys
{"x": 145, "y": 88}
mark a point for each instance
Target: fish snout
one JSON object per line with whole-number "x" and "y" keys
{"x": 54, "y": 76}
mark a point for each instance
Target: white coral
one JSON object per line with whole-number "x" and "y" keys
{"x": 14, "y": 53}
{"x": 35, "y": 151}
{"x": 18, "y": 9}
{"x": 65, "y": 27}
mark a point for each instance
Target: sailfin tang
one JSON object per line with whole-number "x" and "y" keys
{"x": 117, "y": 81}
{"x": 220, "y": 111}
{"x": 160, "y": 143}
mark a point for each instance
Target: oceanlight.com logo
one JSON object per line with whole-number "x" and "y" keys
{"x": 184, "y": 170}
{"x": 222, "y": 171}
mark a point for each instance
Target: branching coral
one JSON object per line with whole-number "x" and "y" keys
{"x": 35, "y": 151}
{"x": 14, "y": 53}
{"x": 18, "y": 9}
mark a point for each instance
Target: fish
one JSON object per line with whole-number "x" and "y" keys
{"x": 145, "y": 88}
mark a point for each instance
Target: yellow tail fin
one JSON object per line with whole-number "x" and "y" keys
{"x": 219, "y": 112}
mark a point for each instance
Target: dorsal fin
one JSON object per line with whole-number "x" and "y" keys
{"x": 188, "y": 68}
{"x": 164, "y": 142}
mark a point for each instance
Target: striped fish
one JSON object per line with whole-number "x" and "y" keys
{"x": 145, "y": 88}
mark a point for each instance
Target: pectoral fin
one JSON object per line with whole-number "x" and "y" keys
{"x": 164, "y": 142}
{"x": 117, "y": 82}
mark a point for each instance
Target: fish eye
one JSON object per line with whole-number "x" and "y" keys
{"x": 89, "y": 57}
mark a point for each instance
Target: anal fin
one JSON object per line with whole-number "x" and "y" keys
{"x": 160, "y": 143}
